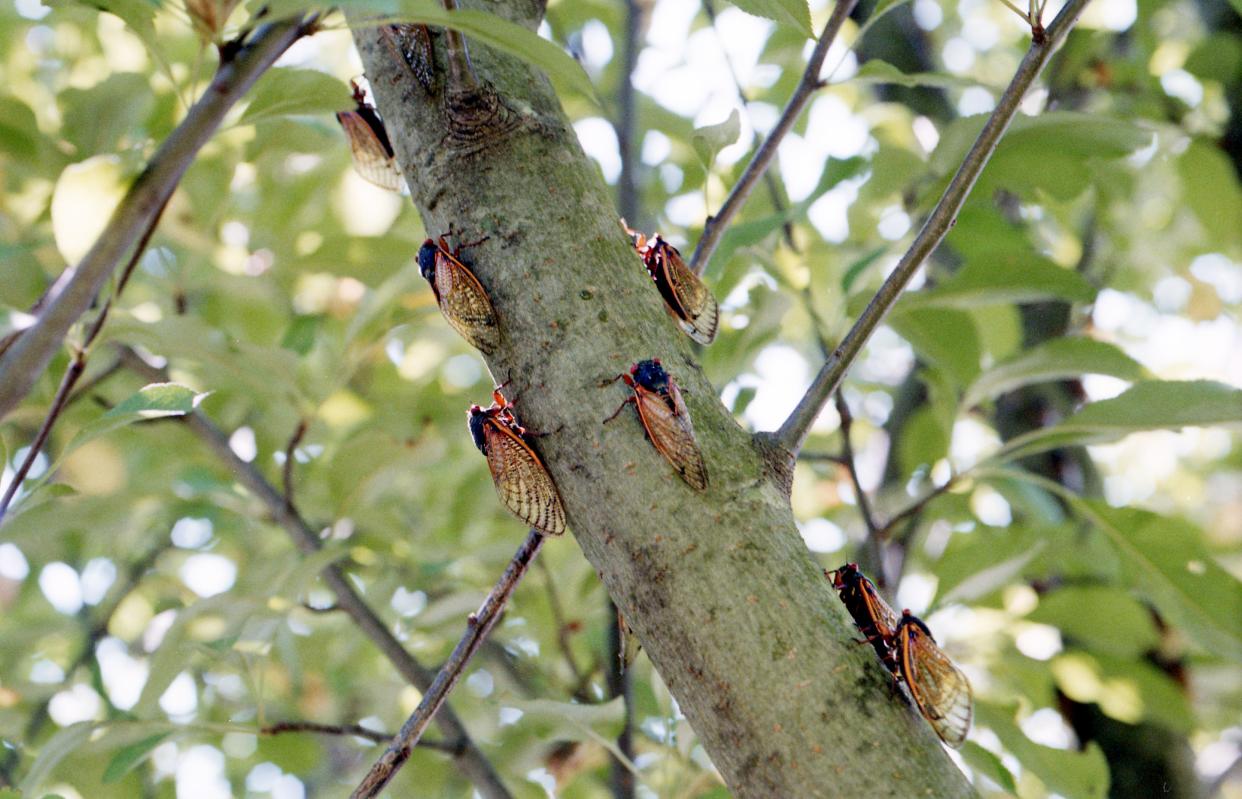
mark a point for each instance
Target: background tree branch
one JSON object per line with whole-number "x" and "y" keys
{"x": 71, "y": 295}
{"x": 793, "y": 432}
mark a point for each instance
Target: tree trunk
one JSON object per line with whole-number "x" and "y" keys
{"x": 718, "y": 586}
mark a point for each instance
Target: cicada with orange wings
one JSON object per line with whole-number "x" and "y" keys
{"x": 369, "y": 144}
{"x": 872, "y": 615}
{"x": 522, "y": 481}
{"x": 460, "y": 295}
{"x": 664, "y": 416}
{"x": 938, "y": 687}
{"x": 688, "y": 300}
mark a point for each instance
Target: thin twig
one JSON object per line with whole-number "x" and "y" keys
{"x": 620, "y": 775}
{"x": 478, "y": 625}
{"x": 77, "y": 365}
{"x": 627, "y": 183}
{"x": 847, "y": 457}
{"x": 473, "y": 764}
{"x": 562, "y": 628}
{"x": 715, "y": 226}
{"x": 356, "y": 730}
{"x": 769, "y": 180}
{"x": 793, "y": 432}
{"x": 914, "y": 509}
{"x": 71, "y": 295}
{"x": 286, "y": 471}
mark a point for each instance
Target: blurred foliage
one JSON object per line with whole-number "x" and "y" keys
{"x": 154, "y": 619}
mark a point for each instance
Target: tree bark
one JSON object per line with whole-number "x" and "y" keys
{"x": 718, "y": 586}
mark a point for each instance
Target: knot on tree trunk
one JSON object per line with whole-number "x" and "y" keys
{"x": 477, "y": 119}
{"x": 778, "y": 461}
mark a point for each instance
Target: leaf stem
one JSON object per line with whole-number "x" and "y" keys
{"x": 792, "y": 434}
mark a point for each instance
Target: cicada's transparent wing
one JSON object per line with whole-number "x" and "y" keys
{"x": 939, "y": 688}
{"x": 369, "y": 146}
{"x": 522, "y": 481}
{"x": 668, "y": 425}
{"x": 699, "y": 311}
{"x": 465, "y": 303}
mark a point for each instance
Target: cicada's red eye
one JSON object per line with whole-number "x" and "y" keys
{"x": 686, "y": 297}
{"x": 522, "y": 481}
{"x": 460, "y": 295}
{"x": 938, "y": 687}
{"x": 664, "y": 416}
{"x": 872, "y": 615}
{"x": 369, "y": 145}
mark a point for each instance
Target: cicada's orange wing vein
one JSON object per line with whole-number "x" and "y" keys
{"x": 522, "y": 481}
{"x": 668, "y": 425}
{"x": 695, "y": 305}
{"x": 465, "y": 303}
{"x": 939, "y": 688}
{"x": 370, "y": 148}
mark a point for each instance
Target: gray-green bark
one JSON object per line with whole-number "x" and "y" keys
{"x": 718, "y": 586}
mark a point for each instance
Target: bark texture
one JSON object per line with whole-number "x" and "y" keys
{"x": 718, "y": 586}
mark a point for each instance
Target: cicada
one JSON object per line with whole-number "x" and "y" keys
{"x": 688, "y": 300}
{"x": 460, "y": 295}
{"x": 369, "y": 144}
{"x": 938, "y": 687}
{"x": 522, "y": 481}
{"x": 413, "y": 42}
{"x": 664, "y": 416}
{"x": 872, "y": 615}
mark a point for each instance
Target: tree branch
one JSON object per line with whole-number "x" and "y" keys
{"x": 478, "y": 625}
{"x": 793, "y": 432}
{"x": 716, "y": 225}
{"x": 77, "y": 366}
{"x": 470, "y": 759}
{"x": 73, "y": 292}
{"x": 847, "y": 457}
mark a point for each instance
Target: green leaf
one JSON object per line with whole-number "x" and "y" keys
{"x": 1083, "y": 775}
{"x": 154, "y": 401}
{"x": 999, "y": 573}
{"x": 1210, "y": 189}
{"x": 794, "y": 13}
{"x": 1164, "y": 559}
{"x": 129, "y": 757}
{"x": 1058, "y": 359}
{"x": 1100, "y": 618}
{"x": 1152, "y": 405}
{"x": 285, "y": 91}
{"x": 988, "y": 765}
{"x": 19, "y": 131}
{"x": 1126, "y": 689}
{"x": 54, "y": 750}
{"x": 572, "y": 721}
{"x": 945, "y": 337}
{"x": 1014, "y": 276}
{"x": 877, "y": 71}
{"x": 709, "y": 140}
